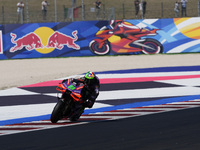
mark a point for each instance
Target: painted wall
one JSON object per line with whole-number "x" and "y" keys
{"x": 84, "y": 38}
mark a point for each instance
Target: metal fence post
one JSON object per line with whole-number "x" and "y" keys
{"x": 27, "y": 14}
{"x": 3, "y": 17}
{"x": 21, "y": 15}
{"x": 162, "y": 10}
{"x": 198, "y": 7}
{"x": 83, "y": 10}
{"x": 55, "y": 11}
{"x": 142, "y": 9}
{"x": 111, "y": 13}
{"x": 74, "y": 3}
{"x": 123, "y": 11}
{"x": 72, "y": 14}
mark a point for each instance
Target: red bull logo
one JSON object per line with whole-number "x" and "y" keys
{"x": 44, "y": 40}
{"x": 58, "y": 40}
{"x": 30, "y": 41}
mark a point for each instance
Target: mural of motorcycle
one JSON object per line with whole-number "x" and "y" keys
{"x": 123, "y": 41}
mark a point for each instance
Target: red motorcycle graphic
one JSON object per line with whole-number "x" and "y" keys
{"x": 125, "y": 41}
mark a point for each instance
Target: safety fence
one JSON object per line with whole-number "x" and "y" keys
{"x": 61, "y": 10}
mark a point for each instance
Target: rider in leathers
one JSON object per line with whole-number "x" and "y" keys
{"x": 91, "y": 88}
{"x": 123, "y": 27}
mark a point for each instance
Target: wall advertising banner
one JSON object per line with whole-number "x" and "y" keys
{"x": 90, "y": 38}
{"x": 1, "y": 43}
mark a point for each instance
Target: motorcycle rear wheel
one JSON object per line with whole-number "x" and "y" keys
{"x": 77, "y": 114}
{"x": 57, "y": 112}
{"x": 154, "y": 44}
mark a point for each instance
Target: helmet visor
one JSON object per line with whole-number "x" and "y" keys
{"x": 89, "y": 75}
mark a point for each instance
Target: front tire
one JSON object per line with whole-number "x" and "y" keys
{"x": 57, "y": 112}
{"x": 94, "y": 47}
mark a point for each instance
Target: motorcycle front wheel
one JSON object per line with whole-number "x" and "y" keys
{"x": 152, "y": 46}
{"x": 57, "y": 112}
{"x": 94, "y": 47}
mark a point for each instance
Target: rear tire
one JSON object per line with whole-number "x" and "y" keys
{"x": 77, "y": 114}
{"x": 154, "y": 44}
{"x": 57, "y": 112}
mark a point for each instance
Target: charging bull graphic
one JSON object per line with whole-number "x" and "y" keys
{"x": 30, "y": 41}
{"x": 58, "y": 40}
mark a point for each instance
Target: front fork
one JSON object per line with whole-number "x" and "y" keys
{"x": 101, "y": 42}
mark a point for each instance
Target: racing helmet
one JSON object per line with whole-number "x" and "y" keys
{"x": 113, "y": 23}
{"x": 90, "y": 78}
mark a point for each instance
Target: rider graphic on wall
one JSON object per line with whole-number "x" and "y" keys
{"x": 123, "y": 37}
{"x": 122, "y": 27}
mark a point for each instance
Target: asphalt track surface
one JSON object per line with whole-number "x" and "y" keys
{"x": 175, "y": 130}
{"x": 171, "y": 130}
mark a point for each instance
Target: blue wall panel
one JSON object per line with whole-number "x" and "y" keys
{"x": 68, "y": 39}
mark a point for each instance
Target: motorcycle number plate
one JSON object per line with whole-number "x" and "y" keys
{"x": 71, "y": 87}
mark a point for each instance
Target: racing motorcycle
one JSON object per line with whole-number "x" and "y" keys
{"x": 70, "y": 104}
{"x": 131, "y": 42}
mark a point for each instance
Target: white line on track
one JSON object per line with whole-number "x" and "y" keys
{"x": 101, "y": 116}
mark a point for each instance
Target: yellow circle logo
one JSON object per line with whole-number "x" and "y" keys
{"x": 44, "y": 33}
{"x": 188, "y": 27}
